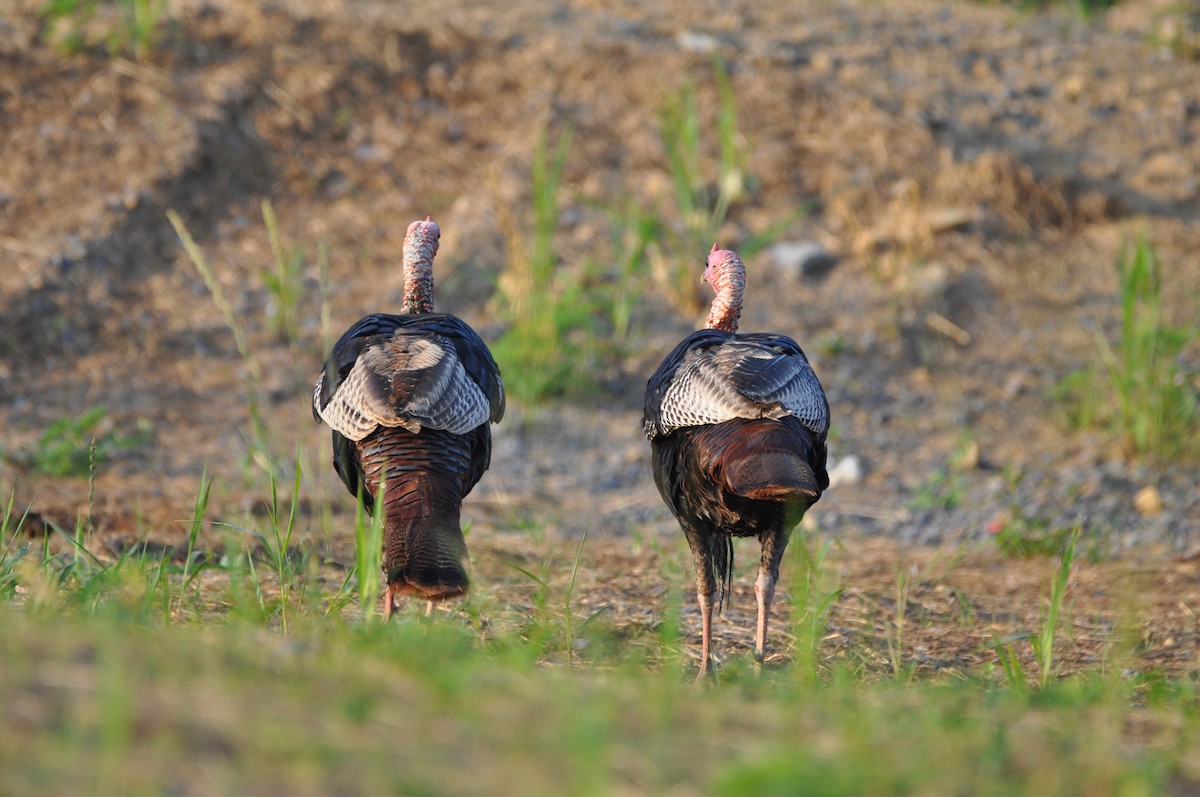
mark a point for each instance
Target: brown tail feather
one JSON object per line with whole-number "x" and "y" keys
{"x": 764, "y": 459}
{"x": 424, "y": 557}
{"x": 772, "y": 476}
{"x": 426, "y": 476}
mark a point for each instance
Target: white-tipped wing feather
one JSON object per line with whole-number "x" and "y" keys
{"x": 407, "y": 380}
{"x": 743, "y": 379}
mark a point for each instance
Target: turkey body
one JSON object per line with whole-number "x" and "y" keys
{"x": 737, "y": 426}
{"x": 410, "y": 399}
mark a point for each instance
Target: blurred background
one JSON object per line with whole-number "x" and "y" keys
{"x": 978, "y": 219}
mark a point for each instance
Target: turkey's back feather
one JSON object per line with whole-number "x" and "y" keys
{"x": 714, "y": 376}
{"x": 408, "y": 370}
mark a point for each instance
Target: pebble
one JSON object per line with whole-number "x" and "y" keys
{"x": 696, "y": 41}
{"x": 1147, "y": 501}
{"x": 847, "y": 470}
{"x": 804, "y": 259}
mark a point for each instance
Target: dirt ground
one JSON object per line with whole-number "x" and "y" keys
{"x": 975, "y": 170}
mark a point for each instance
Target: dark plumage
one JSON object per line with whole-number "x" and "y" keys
{"x": 737, "y": 427}
{"x": 410, "y": 398}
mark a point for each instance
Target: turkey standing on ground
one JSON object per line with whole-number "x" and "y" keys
{"x": 737, "y": 427}
{"x": 409, "y": 398}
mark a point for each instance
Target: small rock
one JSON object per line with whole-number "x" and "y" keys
{"x": 1073, "y": 86}
{"x": 822, "y": 61}
{"x": 694, "y": 41}
{"x": 967, "y": 456}
{"x": 848, "y": 470}
{"x": 1147, "y": 501}
{"x": 806, "y": 259}
{"x": 1014, "y": 385}
{"x": 946, "y": 219}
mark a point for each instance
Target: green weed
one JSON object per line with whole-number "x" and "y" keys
{"x": 1043, "y": 642}
{"x": 546, "y": 347}
{"x": 707, "y": 189}
{"x": 1023, "y": 536}
{"x": 190, "y": 571}
{"x": 368, "y": 550}
{"x": 259, "y": 449}
{"x": 1176, "y": 28}
{"x": 72, "y": 446}
{"x": 1086, "y": 8}
{"x": 1044, "y": 638}
{"x": 127, "y": 26}
{"x": 943, "y": 490}
{"x": 703, "y": 193}
{"x": 278, "y": 545}
{"x": 1140, "y": 390}
{"x": 632, "y": 234}
{"x": 895, "y": 635}
{"x": 285, "y": 281}
{"x": 12, "y": 547}
{"x": 814, "y": 593}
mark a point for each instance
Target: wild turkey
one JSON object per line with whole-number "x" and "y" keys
{"x": 737, "y": 427}
{"x": 409, "y": 398}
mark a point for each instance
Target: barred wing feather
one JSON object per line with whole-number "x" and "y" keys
{"x": 715, "y": 377}
{"x": 396, "y": 372}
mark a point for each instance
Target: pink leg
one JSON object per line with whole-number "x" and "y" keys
{"x": 764, "y": 590}
{"x": 773, "y": 545}
{"x": 429, "y": 609}
{"x": 706, "y": 662}
{"x": 389, "y": 602}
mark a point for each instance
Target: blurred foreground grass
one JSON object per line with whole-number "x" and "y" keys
{"x": 115, "y": 678}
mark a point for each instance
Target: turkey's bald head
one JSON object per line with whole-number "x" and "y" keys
{"x": 727, "y": 276}
{"x": 420, "y": 246}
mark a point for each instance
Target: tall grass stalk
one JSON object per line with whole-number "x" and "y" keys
{"x": 568, "y": 617}
{"x": 703, "y": 195}
{"x": 368, "y": 549}
{"x": 1043, "y": 641}
{"x": 1140, "y": 390}
{"x": 542, "y": 351}
{"x": 632, "y": 232}
{"x": 260, "y": 446}
{"x": 813, "y": 598}
{"x": 11, "y": 551}
{"x": 323, "y": 271}
{"x": 199, "y": 508}
{"x": 278, "y": 544}
{"x": 895, "y": 638}
{"x": 285, "y": 281}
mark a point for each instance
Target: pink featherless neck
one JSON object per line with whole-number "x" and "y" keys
{"x": 420, "y": 246}
{"x": 727, "y": 276}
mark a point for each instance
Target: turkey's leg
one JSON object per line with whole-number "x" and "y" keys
{"x": 389, "y": 603}
{"x": 429, "y": 609}
{"x": 773, "y": 545}
{"x": 706, "y": 587}
{"x": 706, "y": 662}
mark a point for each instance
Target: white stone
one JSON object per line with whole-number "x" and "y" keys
{"x": 847, "y": 470}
